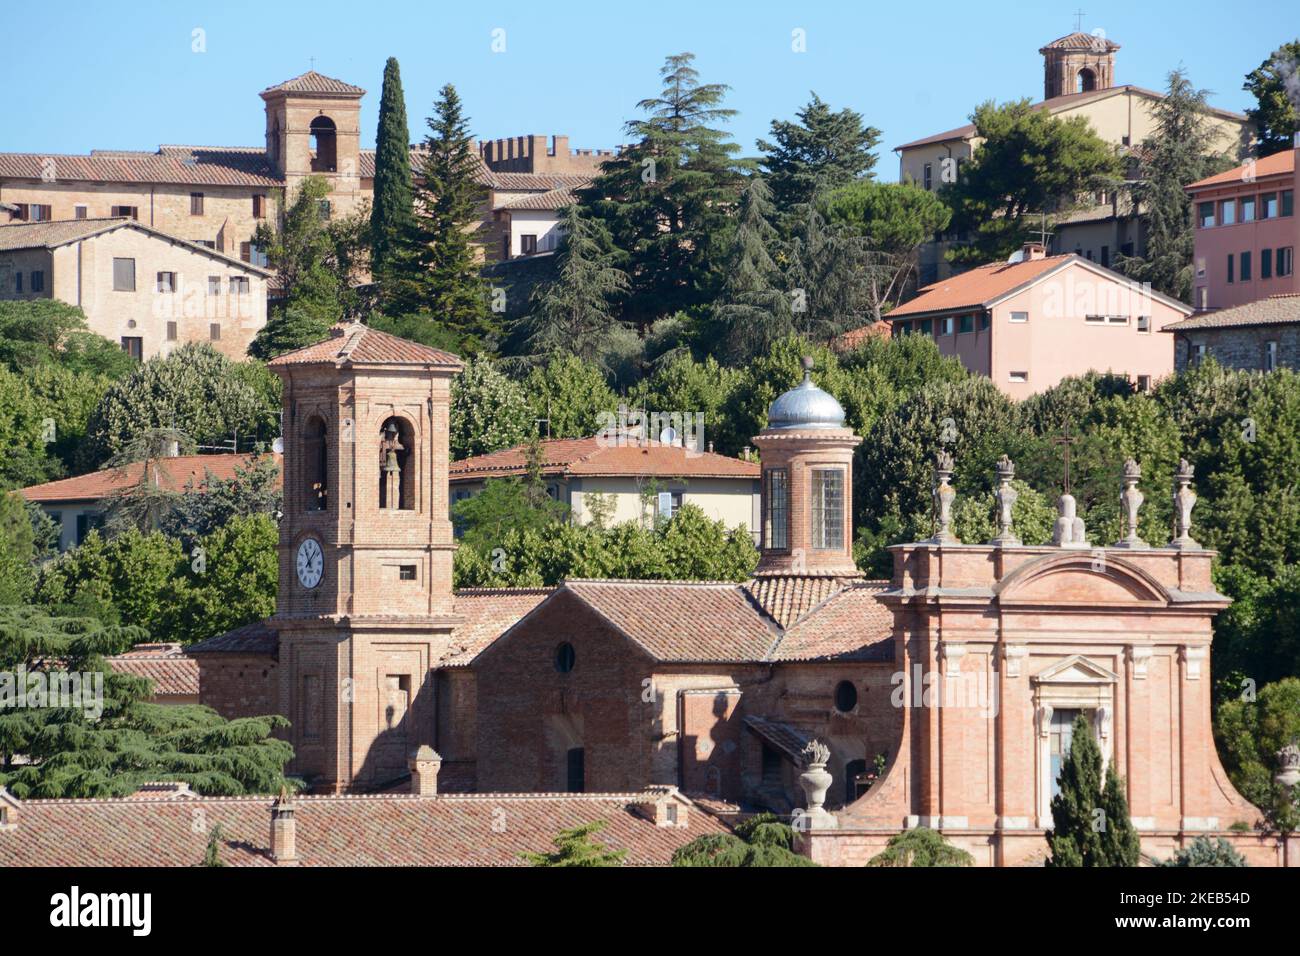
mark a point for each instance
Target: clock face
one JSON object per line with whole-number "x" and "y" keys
{"x": 311, "y": 563}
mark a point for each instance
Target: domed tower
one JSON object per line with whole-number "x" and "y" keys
{"x": 807, "y": 475}
{"x": 1078, "y": 63}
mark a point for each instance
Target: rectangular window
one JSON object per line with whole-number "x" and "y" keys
{"x": 1144, "y": 323}
{"x": 214, "y": 285}
{"x": 406, "y": 572}
{"x": 214, "y": 331}
{"x": 38, "y": 281}
{"x": 927, "y": 326}
{"x": 1144, "y": 383}
{"x": 39, "y": 213}
{"x": 927, "y": 176}
{"x": 828, "y": 509}
{"x": 1284, "y": 261}
{"x": 259, "y": 206}
{"x": 967, "y": 324}
{"x": 133, "y": 346}
{"x": 257, "y": 256}
{"x": 1200, "y": 267}
{"x": 776, "y": 497}
{"x": 1266, "y": 263}
{"x": 123, "y": 275}
{"x": 239, "y": 285}
{"x": 1019, "y": 316}
{"x": 1248, "y": 209}
{"x": 984, "y": 321}
{"x": 945, "y": 326}
{"x": 1117, "y": 319}
{"x": 87, "y": 522}
{"x": 1270, "y": 356}
{"x": 1205, "y": 214}
{"x": 1268, "y": 206}
{"x": 130, "y": 212}
{"x": 1095, "y": 319}
{"x": 1231, "y": 271}
{"x": 1288, "y": 202}
{"x": 18, "y": 282}
{"x": 79, "y": 212}
{"x": 1019, "y": 377}
{"x": 246, "y": 251}
{"x": 1105, "y": 256}
{"x": 166, "y": 282}
{"x": 1228, "y": 212}
{"x": 196, "y": 204}
{"x": 324, "y": 208}
{"x": 171, "y": 331}
{"x": 1198, "y": 354}
{"x": 527, "y": 245}
{"x": 1245, "y": 267}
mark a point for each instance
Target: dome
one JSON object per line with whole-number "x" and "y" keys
{"x": 805, "y": 406}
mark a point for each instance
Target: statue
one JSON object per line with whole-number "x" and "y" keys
{"x": 389, "y": 446}
{"x": 944, "y": 494}
{"x": 1006, "y": 497}
{"x": 1070, "y": 531}
{"x": 1130, "y": 500}
{"x": 1184, "y": 502}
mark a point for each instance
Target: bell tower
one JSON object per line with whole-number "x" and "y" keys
{"x": 365, "y": 599}
{"x": 1078, "y": 63}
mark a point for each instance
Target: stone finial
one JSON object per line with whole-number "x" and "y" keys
{"x": 816, "y": 754}
{"x": 424, "y": 764}
{"x": 1288, "y": 766}
{"x": 1070, "y": 531}
{"x": 1184, "y": 502}
{"x": 944, "y": 494}
{"x": 1006, "y": 497}
{"x": 1130, "y": 500}
{"x": 815, "y": 781}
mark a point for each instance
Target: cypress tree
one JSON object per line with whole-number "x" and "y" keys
{"x": 390, "y": 214}
{"x": 1120, "y": 843}
{"x": 1076, "y": 835}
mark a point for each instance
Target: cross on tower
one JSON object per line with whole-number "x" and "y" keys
{"x": 1078, "y": 21}
{"x": 1065, "y": 441}
{"x": 312, "y": 60}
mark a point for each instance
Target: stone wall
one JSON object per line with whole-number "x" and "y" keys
{"x": 1240, "y": 348}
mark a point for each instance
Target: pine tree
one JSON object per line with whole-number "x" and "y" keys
{"x": 575, "y": 847}
{"x": 752, "y": 312}
{"x": 1119, "y": 841}
{"x": 829, "y": 275}
{"x": 574, "y": 312}
{"x": 1076, "y": 837}
{"x": 391, "y": 211}
{"x": 667, "y": 198}
{"x": 1180, "y": 152}
{"x": 440, "y": 269}
{"x": 1276, "y": 87}
{"x": 822, "y": 151}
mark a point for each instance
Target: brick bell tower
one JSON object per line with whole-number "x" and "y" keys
{"x": 365, "y": 602}
{"x": 807, "y": 490}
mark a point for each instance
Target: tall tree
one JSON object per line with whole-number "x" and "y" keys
{"x": 823, "y": 150}
{"x": 391, "y": 211}
{"x": 753, "y": 312}
{"x": 667, "y": 199}
{"x": 1181, "y": 151}
{"x": 575, "y": 312}
{"x": 1077, "y": 818}
{"x": 440, "y": 270}
{"x": 1120, "y": 845}
{"x": 1030, "y": 165}
{"x": 828, "y": 276}
{"x": 1275, "y": 85}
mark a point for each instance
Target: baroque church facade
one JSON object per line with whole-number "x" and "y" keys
{"x": 943, "y": 697}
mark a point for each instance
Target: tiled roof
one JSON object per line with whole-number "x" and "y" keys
{"x": 1281, "y": 309}
{"x": 184, "y": 165}
{"x": 1278, "y": 164}
{"x": 355, "y": 343}
{"x": 255, "y": 638}
{"x": 1082, "y": 41}
{"x": 852, "y": 339}
{"x": 976, "y": 288}
{"x": 787, "y": 597}
{"x": 58, "y": 232}
{"x": 488, "y": 613}
{"x": 313, "y": 82}
{"x": 599, "y": 456}
{"x": 170, "y": 474}
{"x": 536, "y": 182}
{"x": 849, "y": 625}
{"x": 550, "y": 200}
{"x": 785, "y": 738}
{"x": 172, "y": 672}
{"x": 682, "y": 621}
{"x": 490, "y": 829}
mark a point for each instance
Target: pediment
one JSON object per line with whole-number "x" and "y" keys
{"x": 1076, "y": 670}
{"x": 1089, "y": 578}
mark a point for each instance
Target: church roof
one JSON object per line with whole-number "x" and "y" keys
{"x": 183, "y": 165}
{"x": 354, "y": 343}
{"x": 313, "y": 82}
{"x": 488, "y": 613}
{"x": 1091, "y": 42}
{"x": 603, "y": 457}
{"x": 173, "y": 673}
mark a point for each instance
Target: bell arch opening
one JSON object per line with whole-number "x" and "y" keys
{"x": 324, "y": 142}
{"x": 396, "y": 465}
{"x": 315, "y": 457}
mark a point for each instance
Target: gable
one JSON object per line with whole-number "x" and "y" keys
{"x": 1079, "y": 578}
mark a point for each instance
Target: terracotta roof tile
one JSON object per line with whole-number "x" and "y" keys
{"x": 552, "y": 199}
{"x": 58, "y": 232}
{"x": 973, "y": 289}
{"x": 172, "y": 672}
{"x": 171, "y": 474}
{"x": 381, "y": 830}
{"x": 192, "y": 166}
{"x": 597, "y": 456}
{"x": 313, "y": 82}
{"x": 1281, "y": 309}
{"x": 1082, "y": 41}
{"x": 852, "y": 339}
{"x": 255, "y": 638}
{"x": 488, "y": 613}
{"x": 851, "y": 624}
{"x": 355, "y": 343}
{"x": 1278, "y": 164}
{"x": 785, "y": 738}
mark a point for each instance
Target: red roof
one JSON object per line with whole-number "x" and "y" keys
{"x": 600, "y": 456}
{"x": 173, "y": 674}
{"x": 1279, "y": 164}
{"x": 170, "y": 474}
{"x": 855, "y": 337}
{"x": 978, "y": 287}
{"x": 187, "y": 165}
{"x": 490, "y": 829}
{"x": 353, "y": 343}
{"x": 313, "y": 82}
{"x": 488, "y": 613}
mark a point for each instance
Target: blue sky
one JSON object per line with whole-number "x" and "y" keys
{"x": 122, "y": 75}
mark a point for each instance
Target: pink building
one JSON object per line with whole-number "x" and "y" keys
{"x": 1246, "y": 233}
{"x": 1031, "y": 322}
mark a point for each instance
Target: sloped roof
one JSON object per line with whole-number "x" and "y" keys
{"x": 255, "y": 638}
{"x": 852, "y": 339}
{"x": 851, "y": 624}
{"x": 979, "y": 286}
{"x": 53, "y": 233}
{"x": 183, "y": 165}
{"x": 170, "y": 474}
{"x": 379, "y": 830}
{"x": 552, "y": 199}
{"x": 786, "y": 738}
{"x": 787, "y": 597}
{"x": 600, "y": 456}
{"x": 1281, "y": 309}
{"x": 488, "y": 613}
{"x": 313, "y": 82}
{"x": 172, "y": 672}
{"x": 1278, "y": 164}
{"x": 1078, "y": 40}
{"x": 358, "y": 344}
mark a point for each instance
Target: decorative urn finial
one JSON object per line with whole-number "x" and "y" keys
{"x": 1006, "y": 496}
{"x": 815, "y": 781}
{"x": 944, "y": 494}
{"x": 1184, "y": 502}
{"x": 1130, "y": 499}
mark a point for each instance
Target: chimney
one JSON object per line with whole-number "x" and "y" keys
{"x": 1033, "y": 250}
{"x": 284, "y": 832}
{"x": 425, "y": 763}
{"x": 662, "y": 806}
{"x": 9, "y": 807}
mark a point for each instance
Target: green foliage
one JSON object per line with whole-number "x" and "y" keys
{"x": 504, "y": 505}
{"x": 68, "y": 753}
{"x": 823, "y": 150}
{"x": 974, "y": 518}
{"x": 489, "y": 411}
{"x": 199, "y": 511}
{"x": 17, "y": 550}
{"x": 391, "y": 210}
{"x": 1250, "y": 730}
{"x": 230, "y": 579}
{"x": 752, "y": 310}
{"x": 759, "y": 841}
{"x": 22, "y": 435}
{"x": 134, "y": 573}
{"x": 1120, "y": 845}
{"x": 577, "y": 847}
{"x": 921, "y": 846}
{"x": 1275, "y": 114}
{"x": 1090, "y": 822}
{"x": 212, "y": 853}
{"x": 1030, "y": 163}
{"x": 1206, "y": 852}
{"x": 830, "y": 274}
{"x": 65, "y": 399}
{"x": 39, "y": 332}
{"x": 683, "y": 385}
{"x": 570, "y": 394}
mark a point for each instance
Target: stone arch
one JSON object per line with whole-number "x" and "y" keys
{"x": 324, "y": 136}
{"x": 1085, "y": 80}
{"x": 315, "y": 464}
{"x": 397, "y": 462}
{"x": 1100, "y": 577}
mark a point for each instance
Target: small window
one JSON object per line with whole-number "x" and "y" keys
{"x": 171, "y": 331}
{"x": 1144, "y": 383}
{"x": 1268, "y": 206}
{"x": 945, "y": 326}
{"x": 776, "y": 499}
{"x": 246, "y": 251}
{"x": 927, "y": 326}
{"x": 130, "y": 212}
{"x": 984, "y": 321}
{"x": 79, "y": 212}
{"x": 1248, "y": 209}
{"x": 1205, "y": 214}
{"x": 214, "y": 331}
{"x": 406, "y": 572}
{"x": 1266, "y": 263}
{"x": 1019, "y": 316}
{"x": 966, "y": 324}
{"x": 1270, "y": 356}
{"x": 257, "y": 256}
{"x": 214, "y": 285}
{"x": 527, "y": 245}
{"x": 166, "y": 282}
{"x": 259, "y": 206}
{"x": 239, "y": 285}
{"x": 1200, "y": 267}
{"x": 134, "y": 347}
{"x": 1198, "y": 354}
{"x": 1144, "y": 323}
{"x": 1231, "y": 271}
{"x": 38, "y": 280}
{"x": 323, "y": 207}
{"x": 927, "y": 176}
{"x": 1285, "y": 261}
{"x": 1228, "y": 212}
{"x": 18, "y": 282}
{"x": 1288, "y": 202}
{"x": 196, "y": 204}
{"x": 1018, "y": 376}
{"x": 1245, "y": 267}
{"x": 205, "y": 243}
{"x": 41, "y": 213}
{"x": 1117, "y": 319}
{"x": 565, "y": 658}
{"x": 123, "y": 275}
{"x": 1095, "y": 319}
{"x": 846, "y": 696}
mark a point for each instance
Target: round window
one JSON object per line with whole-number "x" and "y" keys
{"x": 846, "y": 696}
{"x": 564, "y": 658}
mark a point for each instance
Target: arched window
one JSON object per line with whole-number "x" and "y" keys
{"x": 1086, "y": 81}
{"x": 315, "y": 459}
{"x": 324, "y": 146}
{"x": 396, "y": 465}
{"x": 565, "y": 658}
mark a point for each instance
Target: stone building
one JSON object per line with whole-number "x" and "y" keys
{"x": 138, "y": 286}
{"x": 1261, "y": 336}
